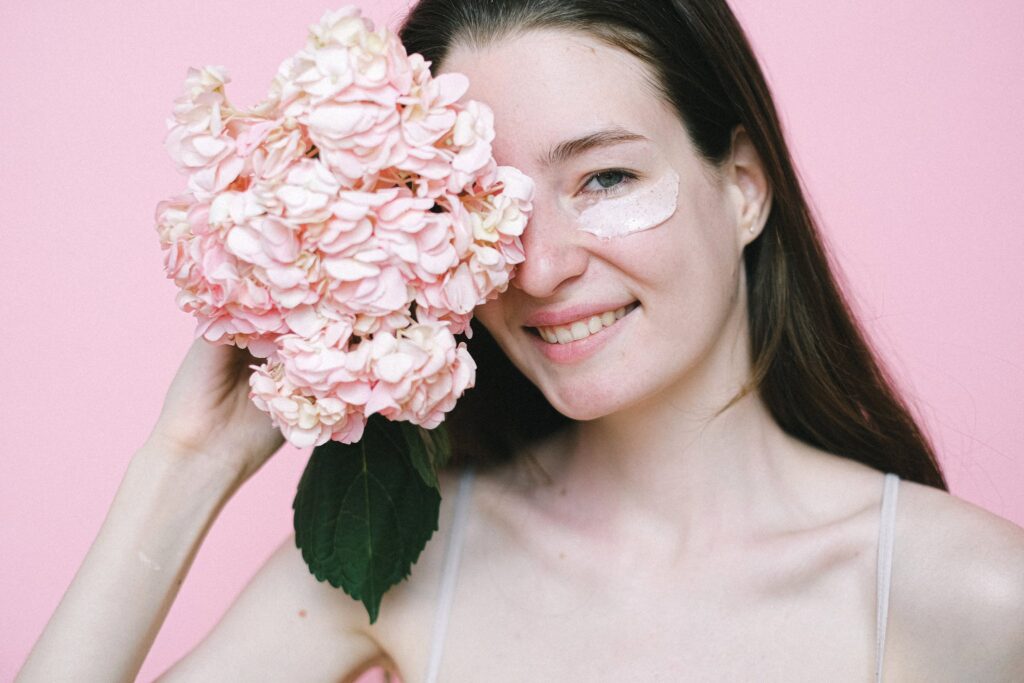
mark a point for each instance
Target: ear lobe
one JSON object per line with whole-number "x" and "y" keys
{"x": 746, "y": 173}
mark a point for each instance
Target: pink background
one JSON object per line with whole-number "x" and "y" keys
{"x": 904, "y": 121}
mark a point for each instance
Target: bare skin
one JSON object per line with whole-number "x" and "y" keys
{"x": 658, "y": 544}
{"x": 541, "y": 597}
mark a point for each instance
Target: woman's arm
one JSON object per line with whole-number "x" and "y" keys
{"x": 208, "y": 440}
{"x": 110, "y": 614}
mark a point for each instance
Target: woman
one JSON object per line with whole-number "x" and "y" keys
{"x": 691, "y": 488}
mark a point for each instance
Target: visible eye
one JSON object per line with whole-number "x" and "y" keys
{"x": 609, "y": 181}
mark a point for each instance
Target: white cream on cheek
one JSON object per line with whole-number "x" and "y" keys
{"x": 642, "y": 210}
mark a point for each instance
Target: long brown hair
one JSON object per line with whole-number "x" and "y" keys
{"x": 812, "y": 364}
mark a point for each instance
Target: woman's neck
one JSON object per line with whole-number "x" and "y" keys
{"x": 679, "y": 479}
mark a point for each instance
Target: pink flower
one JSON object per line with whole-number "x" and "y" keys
{"x": 197, "y": 139}
{"x": 427, "y": 113}
{"x": 304, "y": 420}
{"x": 271, "y": 249}
{"x": 282, "y": 147}
{"x": 372, "y": 288}
{"x": 426, "y": 169}
{"x": 471, "y": 137}
{"x": 338, "y": 27}
{"x": 249, "y": 137}
{"x": 356, "y": 138}
{"x": 419, "y": 238}
{"x": 367, "y": 325}
{"x": 343, "y": 229}
{"x": 375, "y": 56}
{"x": 307, "y": 192}
{"x": 495, "y": 218}
{"x": 322, "y": 364}
{"x": 421, "y": 374}
{"x": 173, "y": 224}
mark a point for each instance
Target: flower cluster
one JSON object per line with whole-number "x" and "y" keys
{"x": 343, "y": 229}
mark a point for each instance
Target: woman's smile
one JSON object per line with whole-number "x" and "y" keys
{"x": 581, "y": 339}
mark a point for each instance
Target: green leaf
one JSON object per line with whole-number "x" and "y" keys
{"x": 428, "y": 449}
{"x": 364, "y": 512}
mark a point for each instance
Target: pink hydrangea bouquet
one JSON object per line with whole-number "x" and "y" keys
{"x": 343, "y": 230}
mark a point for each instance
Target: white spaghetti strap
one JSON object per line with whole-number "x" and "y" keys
{"x": 449, "y": 574}
{"x": 886, "y": 529}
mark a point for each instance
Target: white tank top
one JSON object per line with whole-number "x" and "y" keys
{"x": 453, "y": 550}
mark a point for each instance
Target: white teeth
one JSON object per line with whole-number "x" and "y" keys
{"x": 580, "y": 329}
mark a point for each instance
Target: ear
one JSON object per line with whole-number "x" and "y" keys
{"x": 748, "y": 186}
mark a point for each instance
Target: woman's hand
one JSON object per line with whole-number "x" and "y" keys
{"x": 207, "y": 415}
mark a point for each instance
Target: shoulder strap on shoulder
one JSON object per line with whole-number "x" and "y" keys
{"x": 449, "y": 573}
{"x": 886, "y": 528}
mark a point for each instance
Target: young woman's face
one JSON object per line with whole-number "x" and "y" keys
{"x": 598, "y": 238}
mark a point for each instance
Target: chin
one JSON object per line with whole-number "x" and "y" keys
{"x": 584, "y": 402}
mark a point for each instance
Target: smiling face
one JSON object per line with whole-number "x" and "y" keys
{"x": 605, "y": 150}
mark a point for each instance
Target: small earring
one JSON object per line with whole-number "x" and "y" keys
{"x": 751, "y": 229}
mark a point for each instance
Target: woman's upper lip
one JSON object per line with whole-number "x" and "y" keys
{"x": 546, "y": 317}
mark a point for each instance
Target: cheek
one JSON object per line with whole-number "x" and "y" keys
{"x": 489, "y": 314}
{"x": 689, "y": 264}
{"x": 703, "y": 280}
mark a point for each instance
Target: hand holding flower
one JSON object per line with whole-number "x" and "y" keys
{"x": 208, "y": 418}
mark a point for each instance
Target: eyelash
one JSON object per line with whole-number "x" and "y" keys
{"x": 629, "y": 177}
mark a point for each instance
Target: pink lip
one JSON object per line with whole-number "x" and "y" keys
{"x": 582, "y": 348}
{"x": 562, "y": 316}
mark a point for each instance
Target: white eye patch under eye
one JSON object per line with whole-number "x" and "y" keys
{"x": 642, "y": 210}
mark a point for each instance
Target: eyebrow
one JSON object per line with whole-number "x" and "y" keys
{"x": 607, "y": 137}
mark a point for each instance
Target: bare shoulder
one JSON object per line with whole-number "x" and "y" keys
{"x": 958, "y": 587}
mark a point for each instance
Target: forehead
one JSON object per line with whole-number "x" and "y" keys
{"x": 547, "y": 85}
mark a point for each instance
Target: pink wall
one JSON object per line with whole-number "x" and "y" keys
{"x": 903, "y": 120}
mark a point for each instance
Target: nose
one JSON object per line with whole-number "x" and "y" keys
{"x": 555, "y": 251}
